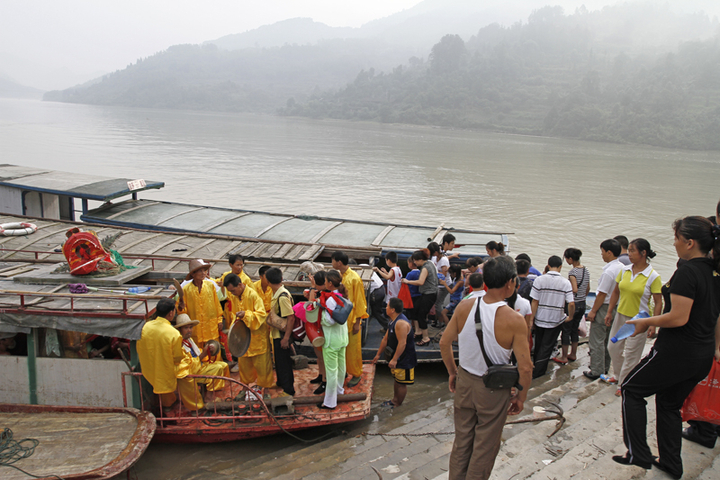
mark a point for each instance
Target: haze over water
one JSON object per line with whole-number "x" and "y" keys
{"x": 552, "y": 193}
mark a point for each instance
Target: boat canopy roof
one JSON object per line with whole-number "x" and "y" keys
{"x": 77, "y": 185}
{"x": 168, "y": 216}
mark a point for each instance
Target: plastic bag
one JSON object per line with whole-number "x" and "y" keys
{"x": 703, "y": 403}
{"x": 405, "y": 296}
{"x": 583, "y": 328}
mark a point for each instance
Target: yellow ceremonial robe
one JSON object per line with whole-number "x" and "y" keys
{"x": 204, "y": 307}
{"x": 256, "y": 364}
{"x": 160, "y": 350}
{"x": 356, "y": 293}
{"x": 191, "y": 365}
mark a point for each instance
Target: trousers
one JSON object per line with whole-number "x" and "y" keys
{"x": 599, "y": 338}
{"x": 624, "y": 354}
{"x": 670, "y": 374}
{"x": 334, "y": 374}
{"x": 545, "y": 342}
{"x": 480, "y": 415}
{"x": 284, "y": 367}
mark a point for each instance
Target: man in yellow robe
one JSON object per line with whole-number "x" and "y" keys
{"x": 263, "y": 289}
{"x": 192, "y": 364}
{"x": 237, "y": 264}
{"x": 160, "y": 351}
{"x": 246, "y": 306}
{"x": 200, "y": 302}
{"x": 355, "y": 292}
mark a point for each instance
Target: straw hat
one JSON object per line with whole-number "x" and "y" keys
{"x": 183, "y": 320}
{"x": 196, "y": 265}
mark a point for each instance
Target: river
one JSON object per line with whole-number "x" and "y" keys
{"x": 551, "y": 193}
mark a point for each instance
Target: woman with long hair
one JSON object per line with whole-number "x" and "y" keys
{"x": 428, "y": 286}
{"x": 494, "y": 249}
{"x": 579, "y": 278}
{"x": 683, "y": 352}
{"x": 634, "y": 286}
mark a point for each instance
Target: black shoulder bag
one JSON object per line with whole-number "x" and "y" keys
{"x": 498, "y": 377}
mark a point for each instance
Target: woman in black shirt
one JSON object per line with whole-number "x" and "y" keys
{"x": 683, "y": 352}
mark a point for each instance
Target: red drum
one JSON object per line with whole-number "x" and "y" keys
{"x": 315, "y": 334}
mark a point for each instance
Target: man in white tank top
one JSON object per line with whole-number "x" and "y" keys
{"x": 480, "y": 413}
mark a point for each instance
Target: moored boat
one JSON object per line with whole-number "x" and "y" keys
{"x": 88, "y": 443}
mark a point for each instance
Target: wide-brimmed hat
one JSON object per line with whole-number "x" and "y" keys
{"x": 183, "y": 320}
{"x": 196, "y": 265}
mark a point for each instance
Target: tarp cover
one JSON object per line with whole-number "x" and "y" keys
{"x": 128, "y": 328}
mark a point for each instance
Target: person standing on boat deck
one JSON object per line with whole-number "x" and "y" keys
{"x": 428, "y": 286}
{"x": 599, "y": 332}
{"x": 411, "y": 313}
{"x": 624, "y": 244}
{"x": 448, "y": 243}
{"x": 634, "y": 286}
{"x": 282, "y": 305}
{"x": 160, "y": 351}
{"x": 525, "y": 279}
{"x": 494, "y": 249}
{"x": 454, "y": 286}
{"x": 336, "y": 339}
{"x": 477, "y": 286}
{"x": 472, "y": 266}
{"x": 400, "y": 338}
{"x": 356, "y": 294}
{"x": 442, "y": 266}
{"x": 549, "y": 294}
{"x": 318, "y": 283}
{"x": 245, "y": 305}
{"x": 237, "y": 265}
{"x": 683, "y": 353}
{"x": 480, "y": 412}
{"x": 531, "y": 270}
{"x": 192, "y": 364}
{"x": 262, "y": 288}
{"x": 579, "y": 277}
{"x": 200, "y": 302}
{"x": 393, "y": 276}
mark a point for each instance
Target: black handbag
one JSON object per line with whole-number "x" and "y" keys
{"x": 497, "y": 377}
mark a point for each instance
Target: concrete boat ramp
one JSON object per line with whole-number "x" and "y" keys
{"x": 415, "y": 443}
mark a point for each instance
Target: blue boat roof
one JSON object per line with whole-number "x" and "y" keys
{"x": 77, "y": 185}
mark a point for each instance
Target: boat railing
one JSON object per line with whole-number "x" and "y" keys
{"x": 26, "y": 307}
{"x": 198, "y": 419}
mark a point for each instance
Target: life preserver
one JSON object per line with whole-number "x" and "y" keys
{"x": 17, "y": 229}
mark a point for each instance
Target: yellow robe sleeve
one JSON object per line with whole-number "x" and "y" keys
{"x": 356, "y": 294}
{"x": 255, "y": 313}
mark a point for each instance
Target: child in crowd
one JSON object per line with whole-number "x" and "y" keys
{"x": 454, "y": 284}
{"x": 393, "y": 276}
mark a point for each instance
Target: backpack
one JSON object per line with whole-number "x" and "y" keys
{"x": 525, "y": 288}
{"x": 343, "y": 309}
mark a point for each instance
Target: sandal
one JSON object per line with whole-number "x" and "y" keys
{"x": 423, "y": 343}
{"x": 388, "y": 403}
{"x": 571, "y": 359}
{"x": 559, "y": 360}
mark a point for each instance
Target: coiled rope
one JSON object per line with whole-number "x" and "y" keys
{"x": 12, "y": 451}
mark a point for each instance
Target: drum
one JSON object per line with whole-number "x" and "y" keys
{"x": 315, "y": 334}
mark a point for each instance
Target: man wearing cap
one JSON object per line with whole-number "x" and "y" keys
{"x": 245, "y": 305}
{"x": 192, "y": 364}
{"x": 201, "y": 303}
{"x": 160, "y": 351}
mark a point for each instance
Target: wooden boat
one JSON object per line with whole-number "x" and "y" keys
{"x": 85, "y": 443}
{"x": 227, "y": 420}
{"x": 48, "y": 194}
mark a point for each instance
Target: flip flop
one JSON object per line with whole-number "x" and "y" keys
{"x": 388, "y": 403}
{"x": 571, "y": 359}
{"x": 559, "y": 360}
{"x": 423, "y": 343}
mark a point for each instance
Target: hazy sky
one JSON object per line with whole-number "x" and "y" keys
{"x": 81, "y": 39}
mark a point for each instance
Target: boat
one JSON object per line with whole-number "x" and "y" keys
{"x": 70, "y": 438}
{"x": 30, "y": 191}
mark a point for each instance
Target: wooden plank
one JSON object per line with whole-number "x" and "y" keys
{"x": 283, "y": 251}
{"x": 139, "y": 241}
{"x": 227, "y": 249}
{"x": 381, "y": 236}
{"x": 189, "y": 252}
{"x": 147, "y": 204}
{"x": 35, "y": 238}
{"x": 162, "y": 245}
{"x": 247, "y": 247}
{"x": 311, "y": 253}
{"x": 271, "y": 250}
{"x": 295, "y": 252}
{"x": 325, "y": 230}
{"x": 250, "y": 252}
{"x": 16, "y": 271}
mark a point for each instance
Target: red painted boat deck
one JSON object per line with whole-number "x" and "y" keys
{"x": 251, "y": 419}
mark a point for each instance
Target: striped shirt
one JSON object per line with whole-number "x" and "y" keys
{"x": 582, "y": 280}
{"x": 551, "y": 291}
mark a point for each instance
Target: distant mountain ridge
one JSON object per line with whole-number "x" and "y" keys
{"x": 12, "y": 89}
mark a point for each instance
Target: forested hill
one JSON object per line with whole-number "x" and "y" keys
{"x": 574, "y": 76}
